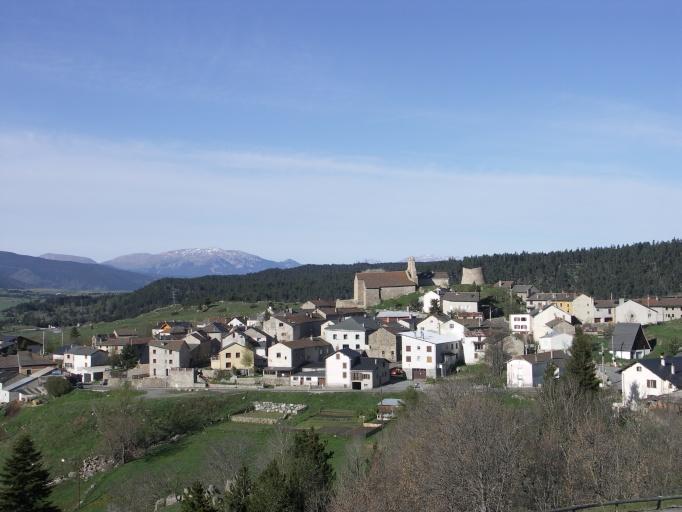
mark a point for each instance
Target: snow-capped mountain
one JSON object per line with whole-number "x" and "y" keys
{"x": 196, "y": 262}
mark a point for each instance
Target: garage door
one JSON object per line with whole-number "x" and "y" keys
{"x": 419, "y": 373}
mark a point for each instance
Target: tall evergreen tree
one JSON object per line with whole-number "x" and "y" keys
{"x": 23, "y": 480}
{"x": 270, "y": 493}
{"x": 238, "y": 499}
{"x": 310, "y": 475}
{"x": 580, "y": 366}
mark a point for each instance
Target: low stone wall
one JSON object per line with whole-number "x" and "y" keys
{"x": 278, "y": 407}
{"x": 245, "y": 418}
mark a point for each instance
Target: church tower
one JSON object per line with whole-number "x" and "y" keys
{"x": 412, "y": 270}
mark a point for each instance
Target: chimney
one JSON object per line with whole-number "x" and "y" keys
{"x": 662, "y": 361}
{"x": 672, "y": 369}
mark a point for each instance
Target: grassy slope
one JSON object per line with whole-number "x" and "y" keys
{"x": 65, "y": 428}
{"x": 668, "y": 337}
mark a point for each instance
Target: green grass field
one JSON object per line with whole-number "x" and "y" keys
{"x": 66, "y": 428}
{"x": 668, "y": 337}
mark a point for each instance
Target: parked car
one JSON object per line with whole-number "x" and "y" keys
{"x": 397, "y": 372}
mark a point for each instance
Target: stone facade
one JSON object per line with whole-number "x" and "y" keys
{"x": 384, "y": 343}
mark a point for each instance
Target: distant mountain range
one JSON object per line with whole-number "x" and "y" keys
{"x": 196, "y": 263}
{"x": 129, "y": 272}
{"x": 24, "y": 272}
{"x": 67, "y": 257}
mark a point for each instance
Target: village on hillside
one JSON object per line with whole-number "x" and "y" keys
{"x": 356, "y": 344}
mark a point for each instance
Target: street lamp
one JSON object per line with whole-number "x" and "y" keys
{"x": 77, "y": 465}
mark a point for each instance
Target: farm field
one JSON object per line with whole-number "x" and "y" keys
{"x": 220, "y": 446}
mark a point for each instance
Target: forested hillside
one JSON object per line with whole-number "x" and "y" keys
{"x": 629, "y": 271}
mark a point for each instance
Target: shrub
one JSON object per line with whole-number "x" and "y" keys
{"x": 58, "y": 386}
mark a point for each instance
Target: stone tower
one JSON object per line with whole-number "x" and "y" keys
{"x": 473, "y": 276}
{"x": 412, "y": 270}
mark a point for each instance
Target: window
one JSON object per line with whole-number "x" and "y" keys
{"x": 651, "y": 384}
{"x": 429, "y": 359}
{"x": 228, "y": 365}
{"x": 154, "y": 351}
{"x": 408, "y": 359}
{"x": 357, "y": 336}
{"x": 639, "y": 368}
{"x": 408, "y": 348}
{"x": 338, "y": 356}
{"x": 236, "y": 354}
{"x": 345, "y": 336}
{"x": 428, "y": 348}
{"x": 357, "y": 347}
{"x": 281, "y": 324}
{"x": 345, "y": 365}
{"x": 279, "y": 355}
{"x": 344, "y": 375}
{"x": 154, "y": 361}
{"x": 334, "y": 336}
{"x": 229, "y": 355}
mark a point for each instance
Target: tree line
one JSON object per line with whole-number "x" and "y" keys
{"x": 629, "y": 271}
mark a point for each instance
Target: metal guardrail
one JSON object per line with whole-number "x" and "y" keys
{"x": 659, "y": 500}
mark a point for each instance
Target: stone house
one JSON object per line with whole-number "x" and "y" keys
{"x": 287, "y": 357}
{"x": 293, "y": 326}
{"x": 373, "y": 286}
{"x": 386, "y": 342}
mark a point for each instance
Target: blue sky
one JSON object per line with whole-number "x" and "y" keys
{"x": 338, "y": 131}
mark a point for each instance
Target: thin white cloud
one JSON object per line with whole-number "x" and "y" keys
{"x": 102, "y": 199}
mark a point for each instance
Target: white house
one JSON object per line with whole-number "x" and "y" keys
{"x": 90, "y": 363}
{"x": 651, "y": 377}
{"x": 346, "y": 368}
{"x": 462, "y": 302}
{"x": 310, "y": 375}
{"x": 351, "y": 333}
{"x": 165, "y": 355}
{"x": 583, "y": 308}
{"x": 667, "y": 308}
{"x": 521, "y": 323}
{"x": 629, "y": 342}
{"x": 554, "y": 341}
{"x": 442, "y": 324}
{"x": 630, "y": 311}
{"x": 429, "y": 354}
{"x": 528, "y": 371}
{"x": 473, "y": 346}
{"x": 543, "y": 317}
{"x": 428, "y": 298}
{"x": 236, "y": 322}
{"x": 25, "y": 387}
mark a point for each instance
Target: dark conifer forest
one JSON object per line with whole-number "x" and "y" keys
{"x": 648, "y": 268}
